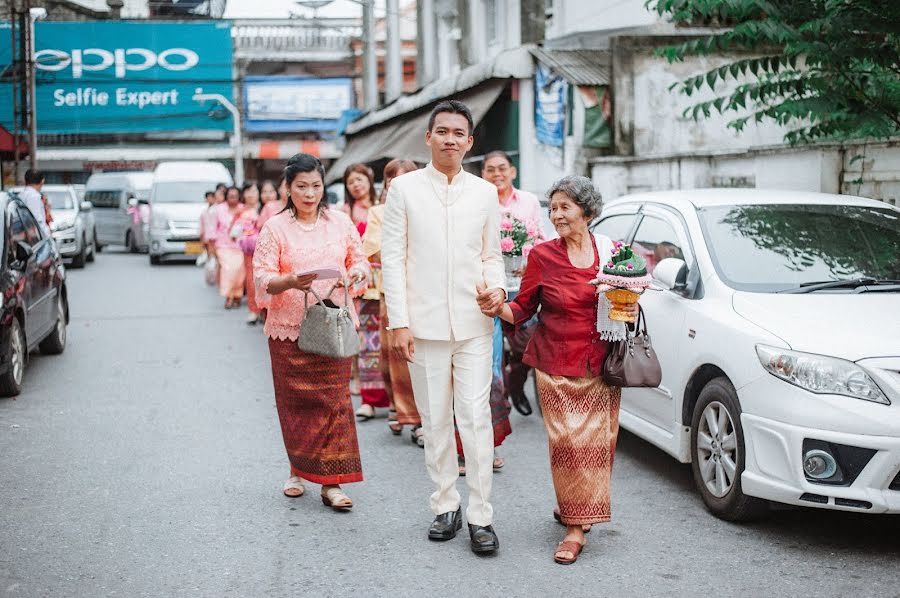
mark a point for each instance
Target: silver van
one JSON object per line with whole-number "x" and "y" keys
{"x": 177, "y": 199}
{"x": 115, "y": 197}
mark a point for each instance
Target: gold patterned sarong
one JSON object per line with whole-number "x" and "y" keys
{"x": 582, "y": 420}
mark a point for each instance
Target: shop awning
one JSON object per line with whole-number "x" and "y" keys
{"x": 404, "y": 136}
{"x": 8, "y": 145}
{"x": 578, "y": 67}
{"x": 282, "y": 149}
{"x": 127, "y": 153}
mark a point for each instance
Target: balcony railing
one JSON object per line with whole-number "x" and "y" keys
{"x": 287, "y": 40}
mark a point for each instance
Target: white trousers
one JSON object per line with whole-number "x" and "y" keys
{"x": 454, "y": 377}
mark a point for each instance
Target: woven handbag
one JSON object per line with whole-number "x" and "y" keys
{"x": 327, "y": 328}
{"x": 632, "y": 363}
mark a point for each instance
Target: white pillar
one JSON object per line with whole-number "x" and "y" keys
{"x": 370, "y": 59}
{"x": 428, "y": 41}
{"x": 393, "y": 59}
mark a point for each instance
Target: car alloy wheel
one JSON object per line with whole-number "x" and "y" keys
{"x": 717, "y": 448}
{"x": 61, "y": 322}
{"x": 718, "y": 454}
{"x": 17, "y": 354}
{"x": 56, "y": 342}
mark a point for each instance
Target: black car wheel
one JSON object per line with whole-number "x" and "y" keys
{"x": 155, "y": 260}
{"x": 92, "y": 253}
{"x": 56, "y": 342}
{"x": 81, "y": 257}
{"x": 718, "y": 456}
{"x": 17, "y": 353}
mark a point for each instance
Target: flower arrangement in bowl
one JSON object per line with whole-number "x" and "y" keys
{"x": 517, "y": 239}
{"x": 623, "y": 279}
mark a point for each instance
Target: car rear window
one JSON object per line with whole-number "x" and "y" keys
{"x": 103, "y": 199}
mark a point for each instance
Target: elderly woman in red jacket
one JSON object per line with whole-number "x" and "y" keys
{"x": 580, "y": 410}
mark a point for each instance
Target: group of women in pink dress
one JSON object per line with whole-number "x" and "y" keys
{"x": 229, "y": 227}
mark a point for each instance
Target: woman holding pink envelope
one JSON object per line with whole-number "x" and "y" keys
{"x": 308, "y": 247}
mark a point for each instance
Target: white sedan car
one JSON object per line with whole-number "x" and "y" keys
{"x": 779, "y": 339}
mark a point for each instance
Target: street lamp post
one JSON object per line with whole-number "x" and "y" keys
{"x": 236, "y": 139}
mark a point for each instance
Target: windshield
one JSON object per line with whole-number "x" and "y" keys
{"x": 181, "y": 192}
{"x": 60, "y": 200}
{"x": 771, "y": 248}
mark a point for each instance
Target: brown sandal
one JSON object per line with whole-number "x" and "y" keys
{"x": 567, "y": 546}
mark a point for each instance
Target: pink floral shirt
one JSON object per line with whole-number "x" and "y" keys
{"x": 208, "y": 220}
{"x": 284, "y": 246}
{"x": 270, "y": 209}
{"x": 226, "y": 220}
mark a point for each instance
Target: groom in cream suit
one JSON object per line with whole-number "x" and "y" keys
{"x": 440, "y": 252}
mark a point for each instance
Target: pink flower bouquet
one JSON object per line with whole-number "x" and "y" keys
{"x": 517, "y": 239}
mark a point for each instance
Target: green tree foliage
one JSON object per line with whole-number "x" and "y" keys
{"x": 825, "y": 69}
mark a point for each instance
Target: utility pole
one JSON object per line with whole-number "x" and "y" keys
{"x": 33, "y": 14}
{"x": 19, "y": 83}
{"x": 370, "y": 60}
{"x": 236, "y": 139}
{"x": 393, "y": 57}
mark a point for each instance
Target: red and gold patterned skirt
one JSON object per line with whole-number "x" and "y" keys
{"x": 582, "y": 419}
{"x": 396, "y": 377}
{"x": 312, "y": 395}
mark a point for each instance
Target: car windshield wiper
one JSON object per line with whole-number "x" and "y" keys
{"x": 846, "y": 283}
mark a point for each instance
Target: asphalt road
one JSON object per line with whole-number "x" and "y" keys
{"x": 147, "y": 461}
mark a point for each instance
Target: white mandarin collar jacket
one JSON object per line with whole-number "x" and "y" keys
{"x": 439, "y": 241}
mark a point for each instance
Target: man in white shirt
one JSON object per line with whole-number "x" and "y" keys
{"x": 31, "y": 195}
{"x": 440, "y": 252}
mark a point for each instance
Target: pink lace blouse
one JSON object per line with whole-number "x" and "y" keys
{"x": 226, "y": 220}
{"x": 284, "y": 246}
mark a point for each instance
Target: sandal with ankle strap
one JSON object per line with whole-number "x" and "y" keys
{"x": 336, "y": 499}
{"x": 567, "y": 546}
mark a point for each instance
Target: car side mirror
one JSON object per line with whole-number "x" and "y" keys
{"x": 22, "y": 253}
{"x": 86, "y": 206}
{"x": 671, "y": 274}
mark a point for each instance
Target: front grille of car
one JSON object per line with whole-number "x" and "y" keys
{"x": 895, "y": 485}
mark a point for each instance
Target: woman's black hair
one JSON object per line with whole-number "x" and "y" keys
{"x": 247, "y": 185}
{"x": 304, "y": 163}
{"x": 240, "y": 195}
{"x": 367, "y": 172}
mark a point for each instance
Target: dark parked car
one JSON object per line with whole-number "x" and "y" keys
{"x": 35, "y": 308}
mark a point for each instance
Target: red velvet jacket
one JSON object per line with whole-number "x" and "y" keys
{"x": 565, "y": 341}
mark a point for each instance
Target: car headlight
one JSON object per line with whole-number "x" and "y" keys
{"x": 62, "y": 225}
{"x": 160, "y": 223}
{"x": 820, "y": 374}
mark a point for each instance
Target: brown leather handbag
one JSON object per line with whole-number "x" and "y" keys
{"x": 632, "y": 363}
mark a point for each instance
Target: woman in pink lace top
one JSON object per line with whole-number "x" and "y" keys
{"x": 312, "y": 392}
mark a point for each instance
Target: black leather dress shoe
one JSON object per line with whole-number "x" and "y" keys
{"x": 521, "y": 403}
{"x": 483, "y": 538}
{"x": 445, "y": 525}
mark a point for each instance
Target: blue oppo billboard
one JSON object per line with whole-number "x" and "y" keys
{"x": 125, "y": 76}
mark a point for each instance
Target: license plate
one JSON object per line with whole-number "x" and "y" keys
{"x": 193, "y": 248}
